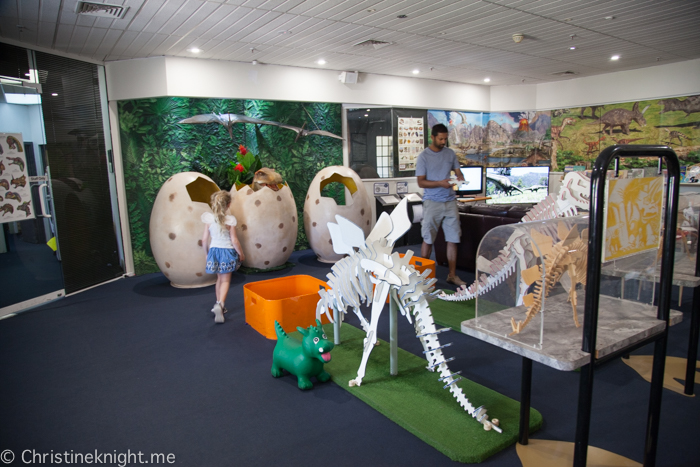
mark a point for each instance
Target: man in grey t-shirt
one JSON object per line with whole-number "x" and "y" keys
{"x": 439, "y": 201}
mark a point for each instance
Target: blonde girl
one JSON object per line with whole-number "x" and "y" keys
{"x": 225, "y": 254}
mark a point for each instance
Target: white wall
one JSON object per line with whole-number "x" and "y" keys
{"x": 25, "y": 119}
{"x": 675, "y": 79}
{"x": 173, "y": 76}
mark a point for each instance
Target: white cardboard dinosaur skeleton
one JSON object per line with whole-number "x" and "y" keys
{"x": 518, "y": 254}
{"x": 369, "y": 263}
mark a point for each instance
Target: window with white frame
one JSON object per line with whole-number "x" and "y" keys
{"x": 385, "y": 156}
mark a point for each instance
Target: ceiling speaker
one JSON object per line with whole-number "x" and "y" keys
{"x": 348, "y": 77}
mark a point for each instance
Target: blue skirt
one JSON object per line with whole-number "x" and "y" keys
{"x": 222, "y": 260}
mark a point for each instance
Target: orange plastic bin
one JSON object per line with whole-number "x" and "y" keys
{"x": 291, "y": 301}
{"x": 421, "y": 264}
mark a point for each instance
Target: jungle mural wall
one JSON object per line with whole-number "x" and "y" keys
{"x": 572, "y": 136}
{"x": 155, "y": 147}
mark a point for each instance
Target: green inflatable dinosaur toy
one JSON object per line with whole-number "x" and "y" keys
{"x": 303, "y": 359}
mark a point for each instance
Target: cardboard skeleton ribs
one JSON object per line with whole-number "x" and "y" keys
{"x": 371, "y": 263}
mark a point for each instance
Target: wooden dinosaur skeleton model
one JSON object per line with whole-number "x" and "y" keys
{"x": 563, "y": 262}
{"x": 370, "y": 262}
{"x": 518, "y": 254}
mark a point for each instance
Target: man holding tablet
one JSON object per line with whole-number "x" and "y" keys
{"x": 439, "y": 201}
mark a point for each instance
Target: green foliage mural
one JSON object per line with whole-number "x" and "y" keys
{"x": 579, "y": 134}
{"x": 155, "y": 147}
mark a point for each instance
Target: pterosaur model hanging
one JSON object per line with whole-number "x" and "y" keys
{"x": 228, "y": 120}
{"x": 302, "y": 132}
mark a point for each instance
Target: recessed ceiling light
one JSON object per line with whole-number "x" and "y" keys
{"x": 54, "y": 94}
{"x": 486, "y": 80}
{"x": 194, "y": 50}
{"x": 573, "y": 47}
{"x": 402, "y": 16}
{"x": 416, "y": 71}
{"x": 609, "y": 17}
{"x": 615, "y": 57}
{"x": 321, "y": 61}
{"x": 366, "y": 115}
{"x": 367, "y": 110}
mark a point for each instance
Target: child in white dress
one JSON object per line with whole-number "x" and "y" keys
{"x": 225, "y": 254}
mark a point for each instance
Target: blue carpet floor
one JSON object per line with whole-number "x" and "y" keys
{"x": 139, "y": 365}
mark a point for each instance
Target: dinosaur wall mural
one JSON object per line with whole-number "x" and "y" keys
{"x": 572, "y": 136}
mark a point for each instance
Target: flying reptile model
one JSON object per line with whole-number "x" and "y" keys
{"x": 227, "y": 120}
{"x": 302, "y": 132}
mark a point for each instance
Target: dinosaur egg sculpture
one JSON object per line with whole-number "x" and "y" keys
{"x": 319, "y": 210}
{"x": 176, "y": 229}
{"x": 267, "y": 225}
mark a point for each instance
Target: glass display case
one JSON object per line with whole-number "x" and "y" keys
{"x": 532, "y": 282}
{"x": 527, "y": 270}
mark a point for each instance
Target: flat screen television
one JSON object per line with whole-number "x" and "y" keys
{"x": 506, "y": 185}
{"x": 473, "y": 181}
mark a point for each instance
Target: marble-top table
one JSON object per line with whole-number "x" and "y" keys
{"x": 634, "y": 268}
{"x": 621, "y": 324}
{"x": 683, "y": 276}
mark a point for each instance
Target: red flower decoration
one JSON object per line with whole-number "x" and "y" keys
{"x": 239, "y": 167}
{"x": 242, "y": 150}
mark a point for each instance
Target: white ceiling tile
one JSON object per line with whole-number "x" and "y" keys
{"x": 199, "y": 16}
{"x": 168, "y": 9}
{"x": 460, "y": 39}
{"x": 93, "y": 41}
{"x": 62, "y": 37}
{"x": 144, "y": 15}
{"x": 106, "y": 44}
{"x": 45, "y": 32}
{"x": 125, "y": 40}
{"x": 165, "y": 46}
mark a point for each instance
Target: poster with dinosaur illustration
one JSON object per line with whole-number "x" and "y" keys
{"x": 497, "y": 139}
{"x": 633, "y": 216}
{"x": 15, "y": 193}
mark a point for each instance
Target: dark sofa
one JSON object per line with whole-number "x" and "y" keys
{"x": 477, "y": 219}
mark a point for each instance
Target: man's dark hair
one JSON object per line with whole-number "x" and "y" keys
{"x": 437, "y": 129}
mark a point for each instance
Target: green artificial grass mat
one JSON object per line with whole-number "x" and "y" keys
{"x": 451, "y": 314}
{"x": 415, "y": 400}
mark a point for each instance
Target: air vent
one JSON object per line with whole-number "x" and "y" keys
{"x": 564, "y": 73}
{"x": 101, "y": 10}
{"x": 373, "y": 43}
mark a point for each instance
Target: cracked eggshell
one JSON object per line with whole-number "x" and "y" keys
{"x": 320, "y": 210}
{"x": 176, "y": 233}
{"x": 267, "y": 225}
